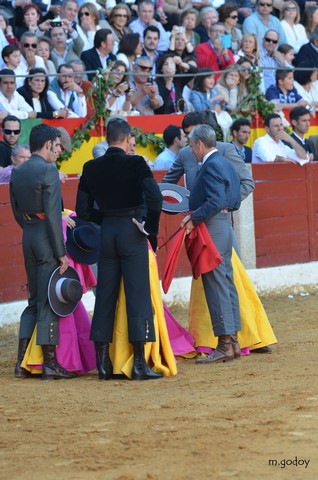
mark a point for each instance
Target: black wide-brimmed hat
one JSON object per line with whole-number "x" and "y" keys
{"x": 179, "y": 198}
{"x": 82, "y": 242}
{"x": 64, "y": 291}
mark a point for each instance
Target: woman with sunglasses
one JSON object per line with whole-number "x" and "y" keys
{"x": 88, "y": 24}
{"x": 290, "y": 20}
{"x": 229, "y": 17}
{"x": 118, "y": 98}
{"x": 34, "y": 92}
{"x": 118, "y": 19}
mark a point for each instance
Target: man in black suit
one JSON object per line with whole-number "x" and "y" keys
{"x": 309, "y": 51}
{"x": 101, "y": 54}
{"x": 121, "y": 185}
{"x": 215, "y": 192}
{"x": 241, "y": 130}
{"x": 300, "y": 121}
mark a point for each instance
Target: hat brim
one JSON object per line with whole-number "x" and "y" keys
{"x": 176, "y": 192}
{"x": 61, "y": 309}
{"x": 88, "y": 258}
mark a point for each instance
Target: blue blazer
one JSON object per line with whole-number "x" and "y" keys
{"x": 217, "y": 186}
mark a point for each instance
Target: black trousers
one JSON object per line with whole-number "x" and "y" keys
{"x": 123, "y": 254}
{"x": 39, "y": 265}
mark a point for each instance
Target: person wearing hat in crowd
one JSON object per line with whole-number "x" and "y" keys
{"x": 121, "y": 184}
{"x": 35, "y": 194}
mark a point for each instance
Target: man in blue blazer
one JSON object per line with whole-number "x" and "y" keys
{"x": 215, "y": 192}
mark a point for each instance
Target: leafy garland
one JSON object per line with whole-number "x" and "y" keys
{"x": 255, "y": 102}
{"x": 101, "y": 84}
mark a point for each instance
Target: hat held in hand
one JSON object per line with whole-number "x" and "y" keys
{"x": 82, "y": 242}
{"x": 64, "y": 291}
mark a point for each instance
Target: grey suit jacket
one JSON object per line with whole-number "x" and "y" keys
{"x": 74, "y": 50}
{"x": 187, "y": 164}
{"x": 100, "y": 149}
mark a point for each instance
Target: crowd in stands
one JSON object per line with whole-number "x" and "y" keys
{"x": 162, "y": 56}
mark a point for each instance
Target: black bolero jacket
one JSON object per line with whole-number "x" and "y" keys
{"x": 47, "y": 109}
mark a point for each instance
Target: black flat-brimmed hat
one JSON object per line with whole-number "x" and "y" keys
{"x": 82, "y": 242}
{"x": 64, "y": 291}
{"x": 179, "y": 198}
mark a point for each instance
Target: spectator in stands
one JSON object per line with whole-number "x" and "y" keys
{"x": 29, "y": 59}
{"x": 11, "y": 131}
{"x": 65, "y": 50}
{"x": 145, "y": 96}
{"x": 306, "y": 82}
{"x": 180, "y": 45}
{"x": 64, "y": 92}
{"x": 245, "y": 67}
{"x": 271, "y": 59}
{"x": 7, "y": 30}
{"x": 11, "y": 102}
{"x": 130, "y": 47}
{"x": 309, "y": 51}
{"x": 290, "y": 20}
{"x": 270, "y": 147}
{"x": 11, "y": 56}
{"x": 101, "y": 54}
{"x": 249, "y": 48}
{"x": 240, "y": 130}
{"x": 284, "y": 90}
{"x": 44, "y": 51}
{"x": 212, "y": 54}
{"x": 34, "y": 91}
{"x": 19, "y": 154}
{"x": 189, "y": 20}
{"x": 31, "y": 19}
{"x": 85, "y": 85}
{"x": 119, "y": 96}
{"x": 69, "y": 11}
{"x": 288, "y": 54}
{"x": 166, "y": 85}
{"x": 118, "y": 19}
{"x": 261, "y": 21}
{"x": 207, "y": 17}
{"x": 230, "y": 86}
{"x": 229, "y": 16}
{"x": 175, "y": 139}
{"x": 175, "y": 8}
{"x": 88, "y": 24}
{"x": 300, "y": 122}
{"x": 204, "y": 96}
{"x": 145, "y": 18}
{"x": 310, "y": 19}
{"x": 150, "y": 47}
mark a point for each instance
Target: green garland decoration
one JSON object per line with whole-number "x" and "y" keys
{"x": 101, "y": 84}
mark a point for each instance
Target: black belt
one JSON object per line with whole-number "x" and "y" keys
{"x": 34, "y": 216}
{"x": 125, "y": 212}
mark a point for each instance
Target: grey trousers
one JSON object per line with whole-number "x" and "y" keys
{"x": 219, "y": 288}
{"x": 39, "y": 265}
{"x": 123, "y": 254}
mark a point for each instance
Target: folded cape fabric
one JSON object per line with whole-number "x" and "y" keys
{"x": 201, "y": 251}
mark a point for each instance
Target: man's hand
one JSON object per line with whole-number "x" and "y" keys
{"x": 282, "y": 135}
{"x": 30, "y": 58}
{"x": 63, "y": 264}
{"x": 188, "y": 222}
{"x": 140, "y": 226}
{"x": 69, "y": 221}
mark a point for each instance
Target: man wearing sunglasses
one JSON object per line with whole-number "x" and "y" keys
{"x": 11, "y": 131}
{"x": 29, "y": 59}
{"x": 262, "y": 20}
{"x": 271, "y": 59}
{"x": 145, "y": 95}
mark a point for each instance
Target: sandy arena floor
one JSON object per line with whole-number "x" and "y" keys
{"x": 227, "y": 421}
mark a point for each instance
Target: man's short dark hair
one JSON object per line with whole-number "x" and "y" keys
{"x": 170, "y": 133}
{"x": 100, "y": 36}
{"x": 117, "y": 130}
{"x": 240, "y": 122}
{"x": 282, "y": 73}
{"x": 10, "y": 118}
{"x": 269, "y": 117}
{"x": 151, "y": 28}
{"x": 6, "y": 72}
{"x": 65, "y": 65}
{"x": 298, "y": 112}
{"x": 40, "y": 134}
{"x": 8, "y": 49}
{"x": 192, "y": 119}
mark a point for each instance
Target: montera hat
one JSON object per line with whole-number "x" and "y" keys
{"x": 179, "y": 198}
{"x": 64, "y": 291}
{"x": 82, "y": 242}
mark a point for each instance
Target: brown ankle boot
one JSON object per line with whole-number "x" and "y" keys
{"x": 223, "y": 353}
{"x": 52, "y": 370}
{"x": 236, "y": 346}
